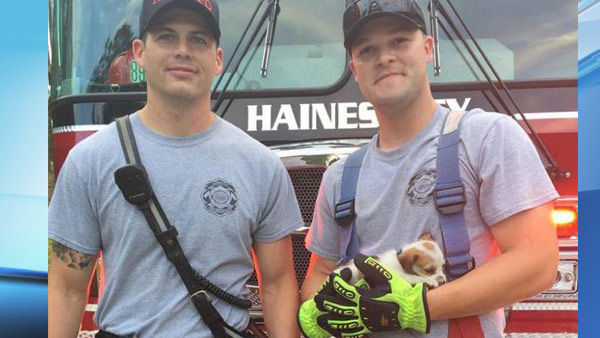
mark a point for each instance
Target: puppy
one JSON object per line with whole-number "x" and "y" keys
{"x": 418, "y": 262}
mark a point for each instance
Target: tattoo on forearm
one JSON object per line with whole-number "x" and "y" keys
{"x": 72, "y": 258}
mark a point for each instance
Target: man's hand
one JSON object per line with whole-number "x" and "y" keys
{"x": 344, "y": 310}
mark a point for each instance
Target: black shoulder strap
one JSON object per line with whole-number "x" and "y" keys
{"x": 132, "y": 156}
{"x": 135, "y": 186}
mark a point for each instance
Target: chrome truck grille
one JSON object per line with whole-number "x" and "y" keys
{"x": 306, "y": 182}
{"x": 301, "y": 259}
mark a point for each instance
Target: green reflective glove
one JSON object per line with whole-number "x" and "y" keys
{"x": 390, "y": 303}
{"x": 313, "y": 318}
{"x": 308, "y": 315}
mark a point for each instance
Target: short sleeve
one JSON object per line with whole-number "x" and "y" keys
{"x": 512, "y": 176}
{"x": 280, "y": 214}
{"x": 71, "y": 217}
{"x": 323, "y": 237}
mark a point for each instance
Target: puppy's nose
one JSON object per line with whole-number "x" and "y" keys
{"x": 441, "y": 280}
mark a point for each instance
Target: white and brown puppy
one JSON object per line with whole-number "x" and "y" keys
{"x": 418, "y": 262}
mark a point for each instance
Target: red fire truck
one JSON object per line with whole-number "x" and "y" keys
{"x": 288, "y": 85}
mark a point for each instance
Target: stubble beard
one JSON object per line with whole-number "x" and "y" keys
{"x": 396, "y": 98}
{"x": 177, "y": 95}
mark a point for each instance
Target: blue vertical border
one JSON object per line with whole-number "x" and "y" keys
{"x": 23, "y": 180}
{"x": 589, "y": 164}
{"x": 23, "y": 169}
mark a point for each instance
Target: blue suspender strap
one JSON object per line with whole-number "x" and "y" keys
{"x": 344, "y": 208}
{"x": 450, "y": 199}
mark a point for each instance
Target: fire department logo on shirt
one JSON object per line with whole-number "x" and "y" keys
{"x": 420, "y": 187}
{"x": 220, "y": 197}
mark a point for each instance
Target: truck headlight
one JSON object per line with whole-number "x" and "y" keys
{"x": 566, "y": 278}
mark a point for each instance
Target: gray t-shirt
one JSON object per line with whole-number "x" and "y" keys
{"x": 221, "y": 189}
{"x": 499, "y": 166}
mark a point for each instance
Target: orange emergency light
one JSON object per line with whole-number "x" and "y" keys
{"x": 565, "y": 221}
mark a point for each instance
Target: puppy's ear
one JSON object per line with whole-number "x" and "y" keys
{"x": 408, "y": 258}
{"x": 426, "y": 237}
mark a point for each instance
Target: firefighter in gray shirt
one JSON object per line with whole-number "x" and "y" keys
{"x": 224, "y": 192}
{"x": 508, "y": 197}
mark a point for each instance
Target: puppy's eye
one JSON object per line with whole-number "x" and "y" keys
{"x": 430, "y": 271}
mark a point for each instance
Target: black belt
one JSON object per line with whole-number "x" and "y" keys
{"x": 253, "y": 330}
{"x": 104, "y": 334}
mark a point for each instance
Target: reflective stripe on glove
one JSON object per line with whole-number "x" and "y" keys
{"x": 314, "y": 318}
{"x": 389, "y": 304}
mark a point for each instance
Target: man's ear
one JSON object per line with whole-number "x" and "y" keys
{"x": 219, "y": 61}
{"x": 351, "y": 65}
{"x": 429, "y": 45}
{"x": 137, "y": 47}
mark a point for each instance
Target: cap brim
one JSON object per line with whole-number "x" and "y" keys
{"x": 351, "y": 35}
{"x": 193, "y": 6}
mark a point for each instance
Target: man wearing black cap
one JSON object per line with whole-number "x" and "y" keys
{"x": 225, "y": 193}
{"x": 506, "y": 215}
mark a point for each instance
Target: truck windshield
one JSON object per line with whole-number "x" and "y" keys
{"x": 526, "y": 40}
{"x": 91, "y": 42}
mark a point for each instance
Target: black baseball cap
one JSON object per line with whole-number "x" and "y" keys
{"x": 207, "y": 9}
{"x": 358, "y": 12}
